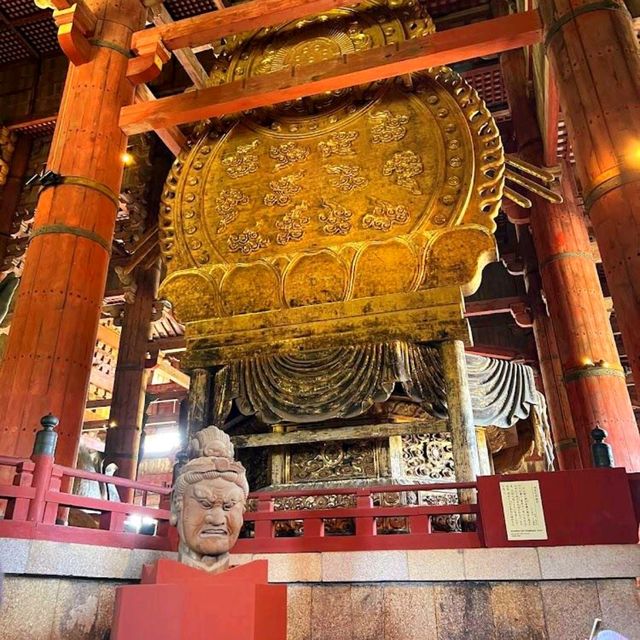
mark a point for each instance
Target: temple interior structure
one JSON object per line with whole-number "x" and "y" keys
{"x": 390, "y": 247}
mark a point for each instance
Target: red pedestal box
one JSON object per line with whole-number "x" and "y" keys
{"x": 175, "y": 602}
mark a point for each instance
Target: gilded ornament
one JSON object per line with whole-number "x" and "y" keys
{"x": 338, "y": 144}
{"x": 228, "y": 204}
{"x": 402, "y": 168}
{"x": 385, "y": 215}
{"x": 292, "y": 224}
{"x": 247, "y": 242}
{"x": 388, "y": 127}
{"x": 242, "y": 162}
{"x": 347, "y": 177}
{"x": 283, "y": 189}
{"x": 287, "y": 154}
{"x": 383, "y": 138}
{"x": 336, "y": 221}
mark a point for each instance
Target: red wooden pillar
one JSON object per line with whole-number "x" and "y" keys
{"x": 594, "y": 52}
{"x": 127, "y": 406}
{"x": 558, "y": 406}
{"x": 594, "y": 380}
{"x": 48, "y": 359}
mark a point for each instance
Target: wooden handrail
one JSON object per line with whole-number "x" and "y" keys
{"x": 9, "y": 461}
{"x": 114, "y": 480}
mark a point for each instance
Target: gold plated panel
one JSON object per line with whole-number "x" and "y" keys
{"x": 352, "y": 194}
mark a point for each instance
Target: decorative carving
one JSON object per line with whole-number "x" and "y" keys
{"x": 385, "y": 215}
{"x": 428, "y": 455}
{"x": 444, "y": 165}
{"x": 338, "y": 144}
{"x": 7, "y": 147}
{"x": 208, "y": 503}
{"x": 387, "y": 127}
{"x": 402, "y": 169}
{"x": 288, "y": 153}
{"x": 333, "y": 461}
{"x": 337, "y": 220}
{"x": 227, "y": 206}
{"x": 347, "y": 177}
{"x": 292, "y": 224}
{"x": 295, "y": 503}
{"x": 283, "y": 189}
{"x": 242, "y": 162}
{"x": 247, "y": 242}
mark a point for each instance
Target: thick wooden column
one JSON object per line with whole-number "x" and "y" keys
{"x": 461, "y": 425}
{"x": 592, "y": 373}
{"x": 558, "y": 406}
{"x": 11, "y": 191}
{"x": 594, "y": 378}
{"x": 128, "y": 403}
{"x": 47, "y": 363}
{"x": 594, "y": 52}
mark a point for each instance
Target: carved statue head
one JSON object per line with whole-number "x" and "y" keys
{"x": 209, "y": 498}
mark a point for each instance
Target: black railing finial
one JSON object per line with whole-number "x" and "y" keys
{"x": 600, "y": 450}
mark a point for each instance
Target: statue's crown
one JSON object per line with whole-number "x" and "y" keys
{"x": 211, "y": 443}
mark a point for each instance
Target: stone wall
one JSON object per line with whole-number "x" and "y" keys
{"x": 552, "y": 610}
{"x": 57, "y": 591}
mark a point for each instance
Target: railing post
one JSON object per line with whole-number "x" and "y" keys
{"x": 600, "y": 450}
{"x": 162, "y": 529}
{"x": 43, "y": 455}
{"x": 264, "y": 528}
{"x": 313, "y": 528}
{"x": 365, "y": 526}
{"x": 18, "y": 508}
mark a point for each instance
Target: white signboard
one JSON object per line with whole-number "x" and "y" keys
{"x": 522, "y": 508}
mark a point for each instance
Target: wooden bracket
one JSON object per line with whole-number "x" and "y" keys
{"x": 151, "y": 55}
{"x": 76, "y": 24}
{"x": 521, "y": 313}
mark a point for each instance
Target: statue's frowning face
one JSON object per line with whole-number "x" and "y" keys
{"x": 211, "y": 516}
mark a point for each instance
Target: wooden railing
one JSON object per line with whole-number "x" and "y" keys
{"x": 591, "y": 506}
{"x": 39, "y": 504}
{"x": 415, "y": 531}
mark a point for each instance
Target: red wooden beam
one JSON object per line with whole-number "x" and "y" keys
{"x": 463, "y": 43}
{"x": 491, "y": 307}
{"x": 208, "y": 27}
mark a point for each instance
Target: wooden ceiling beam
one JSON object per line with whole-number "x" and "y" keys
{"x": 448, "y": 47}
{"x": 208, "y": 27}
{"x": 186, "y": 57}
{"x": 172, "y": 137}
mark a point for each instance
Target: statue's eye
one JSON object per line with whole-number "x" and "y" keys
{"x": 205, "y": 504}
{"x": 228, "y": 506}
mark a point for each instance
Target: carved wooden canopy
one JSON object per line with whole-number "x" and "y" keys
{"x": 337, "y": 219}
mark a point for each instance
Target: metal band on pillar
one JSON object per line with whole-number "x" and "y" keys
{"x": 591, "y": 372}
{"x": 564, "y": 255}
{"x": 87, "y": 183}
{"x": 73, "y": 231}
{"x": 605, "y": 5}
{"x": 606, "y": 182}
{"x": 105, "y": 44}
{"x": 567, "y": 443}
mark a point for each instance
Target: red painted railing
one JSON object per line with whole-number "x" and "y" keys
{"x": 415, "y": 530}
{"x": 591, "y": 506}
{"x": 38, "y": 496}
